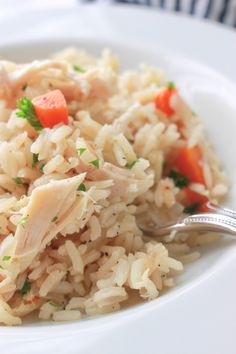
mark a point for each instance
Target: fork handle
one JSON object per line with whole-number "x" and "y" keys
{"x": 199, "y": 222}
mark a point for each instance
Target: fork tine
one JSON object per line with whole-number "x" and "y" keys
{"x": 220, "y": 210}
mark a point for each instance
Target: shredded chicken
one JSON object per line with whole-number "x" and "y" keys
{"x": 54, "y": 74}
{"x": 28, "y": 72}
{"x": 46, "y": 214}
{"x": 13, "y": 79}
{"x": 126, "y": 183}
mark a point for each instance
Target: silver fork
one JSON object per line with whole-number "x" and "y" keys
{"x": 218, "y": 219}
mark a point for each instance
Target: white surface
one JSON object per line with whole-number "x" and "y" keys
{"x": 199, "y": 315}
{"x": 13, "y": 6}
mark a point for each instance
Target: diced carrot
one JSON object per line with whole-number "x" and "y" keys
{"x": 193, "y": 197}
{"x": 51, "y": 108}
{"x": 196, "y": 200}
{"x": 188, "y": 163}
{"x": 203, "y": 208}
{"x": 162, "y": 101}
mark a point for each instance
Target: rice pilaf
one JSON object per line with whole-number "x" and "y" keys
{"x": 125, "y": 150}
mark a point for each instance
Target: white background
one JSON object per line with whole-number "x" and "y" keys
{"x": 9, "y": 6}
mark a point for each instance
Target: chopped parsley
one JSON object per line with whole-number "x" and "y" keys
{"x": 180, "y": 180}
{"x": 81, "y": 151}
{"x": 81, "y": 187}
{"x": 95, "y": 163}
{"x": 170, "y": 85}
{"x": 6, "y": 258}
{"x": 25, "y": 288}
{"x": 27, "y": 111}
{"x": 23, "y": 221}
{"x": 35, "y": 160}
{"x": 190, "y": 209}
{"x": 54, "y": 219}
{"x": 131, "y": 164}
{"x": 41, "y": 167}
{"x": 18, "y": 180}
{"x": 52, "y": 303}
{"x": 79, "y": 69}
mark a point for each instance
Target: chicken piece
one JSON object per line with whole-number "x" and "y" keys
{"x": 127, "y": 184}
{"x": 14, "y": 78}
{"x": 57, "y": 75}
{"x": 48, "y": 211}
{"x": 54, "y": 209}
{"x": 20, "y": 77}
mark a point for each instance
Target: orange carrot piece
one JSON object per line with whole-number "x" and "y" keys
{"x": 204, "y": 208}
{"x": 188, "y": 163}
{"x": 162, "y": 101}
{"x": 51, "y": 108}
{"x": 193, "y": 197}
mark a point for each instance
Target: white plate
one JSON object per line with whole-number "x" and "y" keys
{"x": 198, "y": 316}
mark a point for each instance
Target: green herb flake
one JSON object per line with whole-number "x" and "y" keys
{"x": 18, "y": 180}
{"x": 79, "y": 69}
{"x": 6, "y": 258}
{"x": 180, "y": 180}
{"x": 52, "y": 303}
{"x": 54, "y": 219}
{"x": 35, "y": 160}
{"x": 41, "y": 167}
{"x": 25, "y": 288}
{"x": 81, "y": 151}
{"x": 170, "y": 85}
{"x": 23, "y": 221}
{"x": 81, "y": 187}
{"x": 190, "y": 209}
{"x": 27, "y": 111}
{"x": 95, "y": 163}
{"x": 131, "y": 164}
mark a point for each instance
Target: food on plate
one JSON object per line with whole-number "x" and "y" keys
{"x": 87, "y": 154}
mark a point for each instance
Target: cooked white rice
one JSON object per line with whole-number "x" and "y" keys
{"x": 67, "y": 253}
